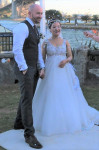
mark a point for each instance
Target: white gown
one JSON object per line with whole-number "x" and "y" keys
{"x": 59, "y": 105}
{"x": 59, "y": 108}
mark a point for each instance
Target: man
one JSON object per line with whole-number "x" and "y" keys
{"x": 93, "y": 36}
{"x": 28, "y": 60}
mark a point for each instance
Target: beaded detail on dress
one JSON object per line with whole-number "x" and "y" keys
{"x": 56, "y": 50}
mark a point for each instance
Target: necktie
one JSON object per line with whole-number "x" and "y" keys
{"x": 36, "y": 30}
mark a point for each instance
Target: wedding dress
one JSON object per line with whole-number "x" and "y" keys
{"x": 59, "y": 109}
{"x": 59, "y": 105}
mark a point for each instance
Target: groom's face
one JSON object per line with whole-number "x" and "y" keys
{"x": 36, "y": 14}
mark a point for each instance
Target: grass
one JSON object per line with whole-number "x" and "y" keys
{"x": 9, "y": 98}
{"x": 91, "y": 94}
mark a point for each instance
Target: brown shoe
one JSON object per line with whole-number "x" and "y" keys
{"x": 33, "y": 142}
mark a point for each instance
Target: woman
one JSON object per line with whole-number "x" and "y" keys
{"x": 59, "y": 105}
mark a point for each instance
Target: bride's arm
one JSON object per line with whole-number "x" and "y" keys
{"x": 69, "y": 56}
{"x": 69, "y": 52}
{"x": 44, "y": 46}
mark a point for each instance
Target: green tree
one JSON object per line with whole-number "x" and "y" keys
{"x": 85, "y": 18}
{"x": 53, "y": 14}
{"x": 95, "y": 18}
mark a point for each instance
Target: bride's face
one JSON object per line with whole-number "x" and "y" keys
{"x": 55, "y": 29}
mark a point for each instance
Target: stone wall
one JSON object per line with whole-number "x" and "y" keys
{"x": 86, "y": 66}
{"x": 6, "y": 69}
{"x": 80, "y": 60}
{"x": 86, "y": 63}
{"x": 93, "y": 67}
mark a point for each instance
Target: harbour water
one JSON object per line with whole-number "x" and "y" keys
{"x": 75, "y": 37}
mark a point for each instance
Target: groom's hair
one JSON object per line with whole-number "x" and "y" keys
{"x": 51, "y": 22}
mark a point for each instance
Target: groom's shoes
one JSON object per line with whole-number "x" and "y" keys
{"x": 33, "y": 142}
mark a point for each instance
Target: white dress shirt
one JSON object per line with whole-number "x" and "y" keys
{"x": 20, "y": 33}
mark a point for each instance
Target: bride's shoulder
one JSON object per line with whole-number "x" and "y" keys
{"x": 45, "y": 43}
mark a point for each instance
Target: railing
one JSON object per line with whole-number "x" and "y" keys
{"x": 6, "y": 41}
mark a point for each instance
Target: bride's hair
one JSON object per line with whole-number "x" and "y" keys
{"x": 52, "y": 21}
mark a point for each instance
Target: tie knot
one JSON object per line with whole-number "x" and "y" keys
{"x": 35, "y": 27}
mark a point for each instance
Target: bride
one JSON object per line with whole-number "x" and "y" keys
{"x": 59, "y": 105}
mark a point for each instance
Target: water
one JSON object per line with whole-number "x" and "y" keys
{"x": 74, "y": 36}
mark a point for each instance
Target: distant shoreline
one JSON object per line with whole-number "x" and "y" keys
{"x": 80, "y": 27}
{"x": 64, "y": 26}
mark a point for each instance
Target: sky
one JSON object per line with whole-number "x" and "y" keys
{"x": 74, "y": 6}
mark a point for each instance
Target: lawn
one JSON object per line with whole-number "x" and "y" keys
{"x": 9, "y": 97}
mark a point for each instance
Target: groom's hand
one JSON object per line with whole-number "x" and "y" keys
{"x": 42, "y": 73}
{"x": 24, "y": 72}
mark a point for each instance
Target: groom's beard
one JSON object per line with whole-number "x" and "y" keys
{"x": 36, "y": 19}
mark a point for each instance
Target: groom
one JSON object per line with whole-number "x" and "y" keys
{"x": 28, "y": 60}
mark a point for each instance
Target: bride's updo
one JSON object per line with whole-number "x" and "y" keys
{"x": 51, "y": 22}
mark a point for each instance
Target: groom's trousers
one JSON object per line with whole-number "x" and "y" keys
{"x": 28, "y": 84}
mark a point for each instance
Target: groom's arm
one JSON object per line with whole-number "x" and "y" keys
{"x": 20, "y": 33}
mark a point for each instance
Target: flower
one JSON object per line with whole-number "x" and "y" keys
{"x": 94, "y": 31}
{"x": 41, "y": 36}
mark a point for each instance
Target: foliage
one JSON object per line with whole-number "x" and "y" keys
{"x": 85, "y": 17}
{"x": 95, "y": 19}
{"x": 91, "y": 45}
{"x": 67, "y": 17}
{"x": 53, "y": 14}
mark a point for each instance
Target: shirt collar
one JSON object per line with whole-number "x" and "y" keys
{"x": 30, "y": 21}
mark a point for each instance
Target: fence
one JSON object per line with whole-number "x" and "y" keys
{"x": 6, "y": 41}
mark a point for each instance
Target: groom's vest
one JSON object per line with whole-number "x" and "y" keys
{"x": 30, "y": 47}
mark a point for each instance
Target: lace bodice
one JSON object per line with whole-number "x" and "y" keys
{"x": 52, "y": 50}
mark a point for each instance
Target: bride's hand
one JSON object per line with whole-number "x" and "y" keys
{"x": 62, "y": 63}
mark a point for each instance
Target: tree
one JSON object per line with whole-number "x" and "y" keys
{"x": 69, "y": 18}
{"x": 75, "y": 16}
{"x": 53, "y": 14}
{"x": 85, "y": 18}
{"x": 95, "y": 19}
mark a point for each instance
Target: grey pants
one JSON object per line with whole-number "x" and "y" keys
{"x": 28, "y": 84}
